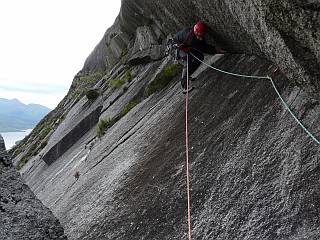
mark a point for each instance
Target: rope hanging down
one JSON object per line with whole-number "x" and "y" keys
{"x": 187, "y": 155}
{"x": 275, "y": 88}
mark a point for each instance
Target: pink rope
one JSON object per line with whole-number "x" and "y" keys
{"x": 187, "y": 156}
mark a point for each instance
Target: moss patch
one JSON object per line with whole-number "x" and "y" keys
{"x": 163, "y": 78}
{"x": 129, "y": 106}
{"x": 103, "y": 125}
{"x": 116, "y": 83}
{"x": 86, "y": 81}
{"x": 127, "y": 76}
{"x": 92, "y": 94}
{"x": 31, "y": 152}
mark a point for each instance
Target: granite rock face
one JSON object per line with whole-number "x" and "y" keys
{"x": 22, "y": 215}
{"x": 287, "y": 33}
{"x": 254, "y": 172}
{"x": 111, "y": 47}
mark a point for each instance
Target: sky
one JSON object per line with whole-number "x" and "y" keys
{"x": 44, "y": 43}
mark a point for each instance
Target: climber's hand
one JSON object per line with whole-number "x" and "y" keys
{"x": 220, "y": 51}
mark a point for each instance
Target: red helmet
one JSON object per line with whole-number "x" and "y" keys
{"x": 199, "y": 28}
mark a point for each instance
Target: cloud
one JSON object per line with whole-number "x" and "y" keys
{"x": 33, "y": 88}
{"x": 45, "y": 43}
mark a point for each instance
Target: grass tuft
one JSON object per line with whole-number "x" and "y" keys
{"x": 103, "y": 125}
{"x": 129, "y": 106}
{"x": 163, "y": 78}
{"x": 116, "y": 83}
{"x": 92, "y": 94}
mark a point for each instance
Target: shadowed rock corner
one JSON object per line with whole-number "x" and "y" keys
{"x": 22, "y": 215}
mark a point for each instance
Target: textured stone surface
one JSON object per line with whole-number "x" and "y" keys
{"x": 72, "y": 133}
{"x": 22, "y": 216}
{"x": 254, "y": 171}
{"x": 146, "y": 47}
{"x": 285, "y": 32}
{"x": 109, "y": 50}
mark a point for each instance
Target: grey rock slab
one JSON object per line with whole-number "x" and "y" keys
{"x": 22, "y": 215}
{"x": 285, "y": 32}
{"x": 254, "y": 172}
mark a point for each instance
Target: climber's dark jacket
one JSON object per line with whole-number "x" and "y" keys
{"x": 187, "y": 41}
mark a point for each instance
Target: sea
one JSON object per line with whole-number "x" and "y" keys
{"x": 10, "y": 138}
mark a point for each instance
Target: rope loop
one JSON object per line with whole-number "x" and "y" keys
{"x": 275, "y": 88}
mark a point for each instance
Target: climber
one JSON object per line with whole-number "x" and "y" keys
{"x": 191, "y": 40}
{"x": 76, "y": 175}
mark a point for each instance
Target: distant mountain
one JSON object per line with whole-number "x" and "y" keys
{"x": 16, "y": 116}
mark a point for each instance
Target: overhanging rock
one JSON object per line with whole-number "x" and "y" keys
{"x": 146, "y": 48}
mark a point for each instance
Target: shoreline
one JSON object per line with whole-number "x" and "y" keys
{"x": 10, "y": 138}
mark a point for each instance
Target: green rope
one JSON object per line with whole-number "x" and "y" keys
{"x": 292, "y": 114}
{"x": 276, "y": 90}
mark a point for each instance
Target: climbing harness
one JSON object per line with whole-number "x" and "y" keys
{"x": 172, "y": 48}
{"x": 183, "y": 46}
{"x": 275, "y": 88}
{"x": 187, "y": 155}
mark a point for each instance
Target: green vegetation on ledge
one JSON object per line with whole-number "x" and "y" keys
{"x": 116, "y": 83}
{"x": 103, "y": 125}
{"x": 31, "y": 152}
{"x": 129, "y": 106}
{"x": 163, "y": 78}
{"x": 92, "y": 94}
{"x": 127, "y": 76}
{"x": 86, "y": 81}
